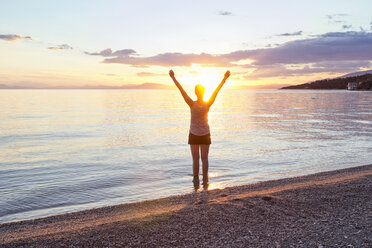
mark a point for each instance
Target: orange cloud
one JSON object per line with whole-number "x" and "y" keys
{"x": 61, "y": 47}
{"x": 14, "y": 37}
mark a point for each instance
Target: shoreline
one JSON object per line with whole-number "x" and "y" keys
{"x": 324, "y": 209}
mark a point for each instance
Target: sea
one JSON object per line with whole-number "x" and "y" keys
{"x": 70, "y": 150}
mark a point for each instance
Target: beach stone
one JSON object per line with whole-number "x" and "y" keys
{"x": 267, "y": 198}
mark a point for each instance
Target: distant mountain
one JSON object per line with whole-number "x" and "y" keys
{"x": 131, "y": 86}
{"x": 4, "y": 86}
{"x": 150, "y": 86}
{"x": 126, "y": 86}
{"x": 364, "y": 80}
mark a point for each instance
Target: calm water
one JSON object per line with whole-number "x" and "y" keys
{"x": 68, "y": 150}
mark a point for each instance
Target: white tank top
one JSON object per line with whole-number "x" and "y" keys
{"x": 199, "y": 119}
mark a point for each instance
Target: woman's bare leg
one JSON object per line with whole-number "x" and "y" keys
{"x": 204, "y": 150}
{"x": 195, "y": 163}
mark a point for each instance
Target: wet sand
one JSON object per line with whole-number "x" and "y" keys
{"x": 328, "y": 209}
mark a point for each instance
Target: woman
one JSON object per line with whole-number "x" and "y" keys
{"x": 199, "y": 136}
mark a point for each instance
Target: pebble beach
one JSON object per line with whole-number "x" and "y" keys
{"x": 327, "y": 209}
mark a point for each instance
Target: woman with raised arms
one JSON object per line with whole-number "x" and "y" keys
{"x": 199, "y": 135}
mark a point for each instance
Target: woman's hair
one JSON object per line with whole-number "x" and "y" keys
{"x": 199, "y": 90}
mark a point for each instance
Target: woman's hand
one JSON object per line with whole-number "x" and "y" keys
{"x": 171, "y": 73}
{"x": 227, "y": 74}
{"x": 187, "y": 99}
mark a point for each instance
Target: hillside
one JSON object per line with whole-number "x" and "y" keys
{"x": 340, "y": 83}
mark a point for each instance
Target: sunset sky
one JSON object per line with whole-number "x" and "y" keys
{"x": 113, "y": 43}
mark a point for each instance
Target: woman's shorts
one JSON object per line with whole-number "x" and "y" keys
{"x": 199, "y": 140}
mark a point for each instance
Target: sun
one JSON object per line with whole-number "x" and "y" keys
{"x": 206, "y": 76}
{"x": 210, "y": 81}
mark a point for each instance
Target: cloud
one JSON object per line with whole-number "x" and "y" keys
{"x": 370, "y": 24}
{"x": 347, "y": 51}
{"x": 333, "y": 16}
{"x": 171, "y": 59}
{"x": 346, "y": 26}
{"x": 291, "y": 34}
{"x": 108, "y": 53}
{"x": 14, "y": 37}
{"x": 149, "y": 74}
{"x": 337, "y": 18}
{"x": 327, "y": 66}
{"x": 61, "y": 47}
{"x": 337, "y": 46}
{"x": 224, "y": 13}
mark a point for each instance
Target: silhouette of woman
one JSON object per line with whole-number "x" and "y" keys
{"x": 199, "y": 135}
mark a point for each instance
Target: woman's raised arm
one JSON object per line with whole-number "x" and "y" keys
{"x": 215, "y": 92}
{"x": 187, "y": 99}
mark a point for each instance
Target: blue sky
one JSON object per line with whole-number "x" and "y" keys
{"x": 53, "y": 42}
